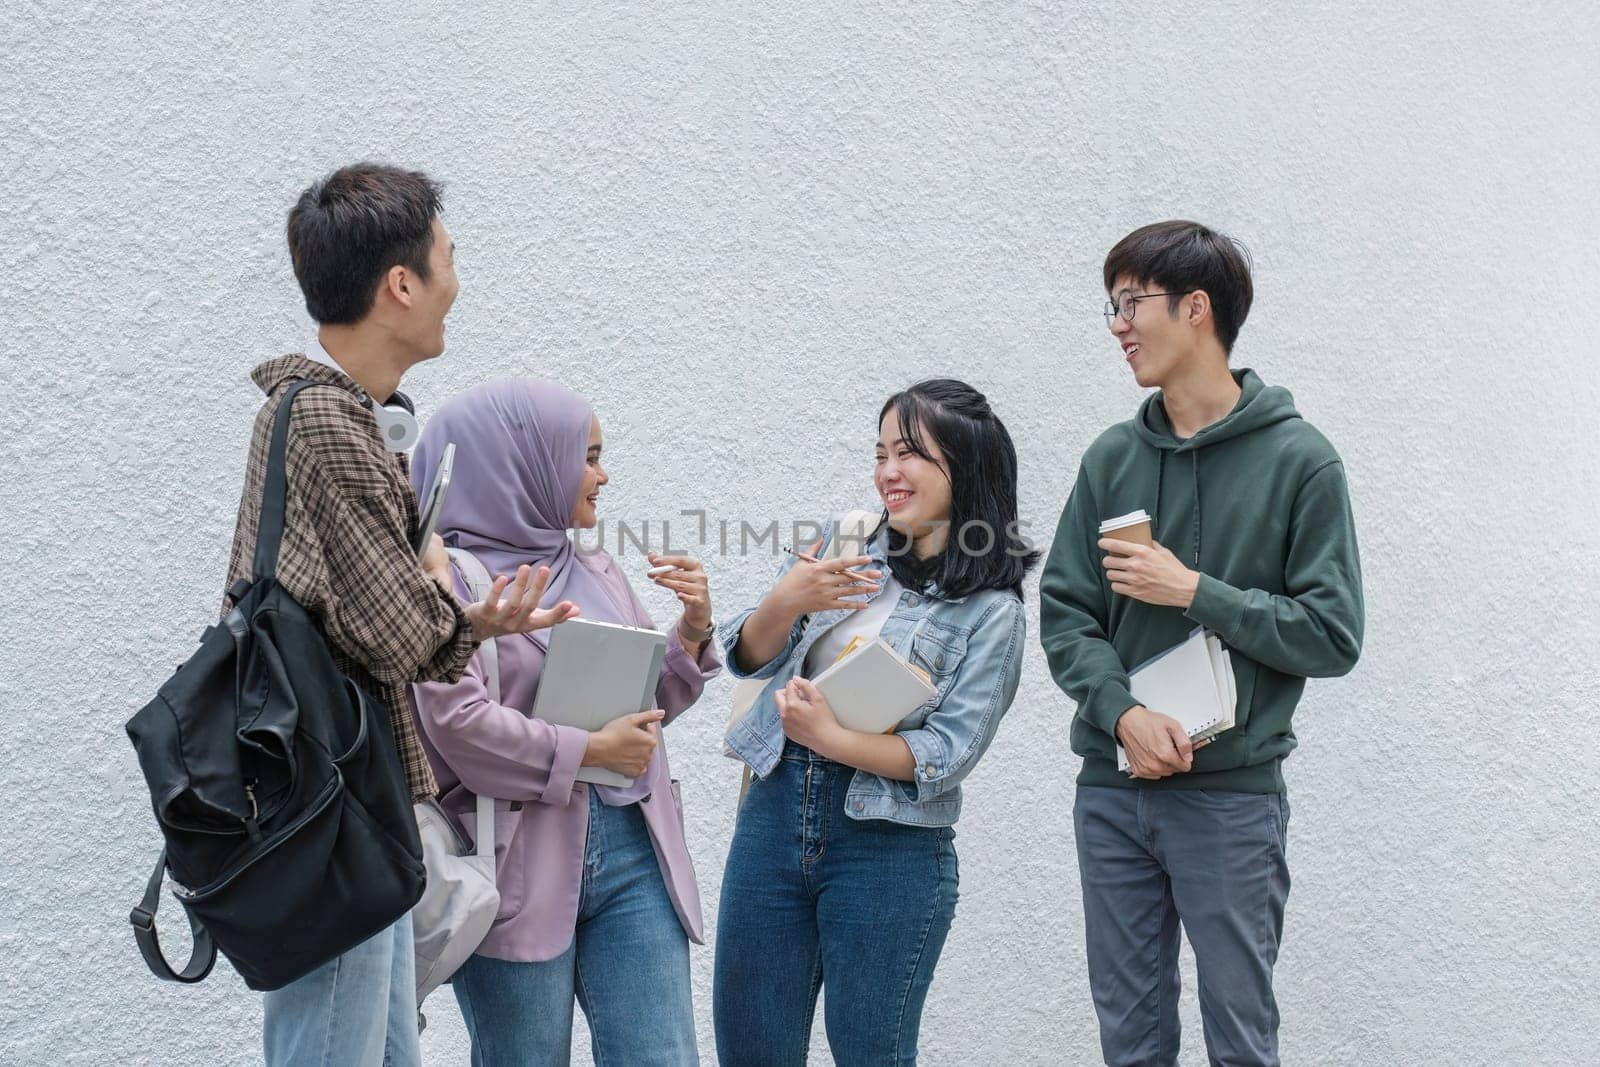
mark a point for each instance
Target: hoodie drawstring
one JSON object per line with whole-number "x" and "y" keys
{"x": 1196, "y": 455}
{"x": 1161, "y": 477}
{"x": 1161, "y": 474}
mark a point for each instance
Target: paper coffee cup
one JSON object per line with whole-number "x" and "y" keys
{"x": 1133, "y": 527}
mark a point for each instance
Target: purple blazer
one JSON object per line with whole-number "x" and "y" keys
{"x": 541, "y": 821}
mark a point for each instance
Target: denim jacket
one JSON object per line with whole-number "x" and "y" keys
{"x": 970, "y": 646}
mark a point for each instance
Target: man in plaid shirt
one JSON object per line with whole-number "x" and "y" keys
{"x": 377, "y": 269}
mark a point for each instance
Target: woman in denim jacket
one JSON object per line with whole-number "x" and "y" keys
{"x": 843, "y": 868}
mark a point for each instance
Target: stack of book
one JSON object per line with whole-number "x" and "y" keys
{"x": 871, "y": 687}
{"x": 1191, "y": 682}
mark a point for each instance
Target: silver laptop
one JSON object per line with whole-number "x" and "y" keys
{"x": 433, "y": 498}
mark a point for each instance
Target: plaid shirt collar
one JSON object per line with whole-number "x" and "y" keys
{"x": 274, "y": 373}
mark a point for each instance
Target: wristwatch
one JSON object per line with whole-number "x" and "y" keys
{"x": 693, "y": 636}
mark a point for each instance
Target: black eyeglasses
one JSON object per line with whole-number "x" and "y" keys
{"x": 1129, "y": 305}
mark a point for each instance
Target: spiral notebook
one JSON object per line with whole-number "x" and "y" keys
{"x": 1192, "y": 682}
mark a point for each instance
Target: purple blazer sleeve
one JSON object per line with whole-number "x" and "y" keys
{"x": 495, "y": 750}
{"x": 682, "y": 678}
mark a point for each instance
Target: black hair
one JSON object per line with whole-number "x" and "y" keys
{"x": 1181, "y": 257}
{"x": 349, "y": 228}
{"x": 985, "y": 548}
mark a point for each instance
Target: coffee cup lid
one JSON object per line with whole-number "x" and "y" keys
{"x": 1132, "y": 518}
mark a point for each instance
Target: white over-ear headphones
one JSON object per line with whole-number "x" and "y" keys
{"x": 397, "y": 422}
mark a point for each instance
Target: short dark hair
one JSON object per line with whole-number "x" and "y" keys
{"x": 349, "y": 228}
{"x": 981, "y": 463}
{"x": 1180, "y": 257}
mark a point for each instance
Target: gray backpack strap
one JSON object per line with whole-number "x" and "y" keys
{"x": 479, "y": 583}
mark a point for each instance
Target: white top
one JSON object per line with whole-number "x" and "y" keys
{"x": 863, "y": 624}
{"x": 317, "y": 354}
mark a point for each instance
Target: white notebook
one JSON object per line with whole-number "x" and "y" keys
{"x": 873, "y": 688}
{"x": 594, "y": 672}
{"x": 1192, "y": 682}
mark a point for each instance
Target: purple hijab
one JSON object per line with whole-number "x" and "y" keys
{"x": 521, "y": 446}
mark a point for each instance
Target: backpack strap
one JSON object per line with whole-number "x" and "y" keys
{"x": 275, "y": 487}
{"x": 201, "y": 957}
{"x": 479, "y": 583}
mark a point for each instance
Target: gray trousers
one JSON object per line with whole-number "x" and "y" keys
{"x": 1215, "y": 862}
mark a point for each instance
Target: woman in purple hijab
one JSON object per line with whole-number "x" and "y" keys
{"x": 598, "y": 900}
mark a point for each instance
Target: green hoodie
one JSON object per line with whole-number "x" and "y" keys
{"x": 1257, "y": 504}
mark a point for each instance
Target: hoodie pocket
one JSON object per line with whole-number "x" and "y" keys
{"x": 1244, "y": 682}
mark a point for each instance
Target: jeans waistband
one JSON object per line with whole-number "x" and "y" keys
{"x": 795, "y": 752}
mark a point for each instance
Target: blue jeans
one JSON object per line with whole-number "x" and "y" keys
{"x": 812, "y": 897}
{"x": 360, "y": 1007}
{"x": 1217, "y": 863}
{"x": 628, "y": 966}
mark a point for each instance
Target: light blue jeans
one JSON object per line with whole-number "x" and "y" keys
{"x": 627, "y": 967}
{"x": 360, "y": 1007}
{"x": 1214, "y": 861}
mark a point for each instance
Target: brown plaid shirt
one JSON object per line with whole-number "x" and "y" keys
{"x": 346, "y": 553}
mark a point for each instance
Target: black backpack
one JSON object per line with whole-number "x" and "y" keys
{"x": 288, "y": 823}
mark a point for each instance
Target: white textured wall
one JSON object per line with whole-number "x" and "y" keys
{"x": 737, "y": 227}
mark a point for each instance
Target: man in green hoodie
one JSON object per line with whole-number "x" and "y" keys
{"x": 1254, "y": 541}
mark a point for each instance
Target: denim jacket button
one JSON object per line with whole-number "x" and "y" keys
{"x": 912, "y": 600}
{"x": 928, "y": 771}
{"x": 938, "y": 662}
{"x": 860, "y": 806}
